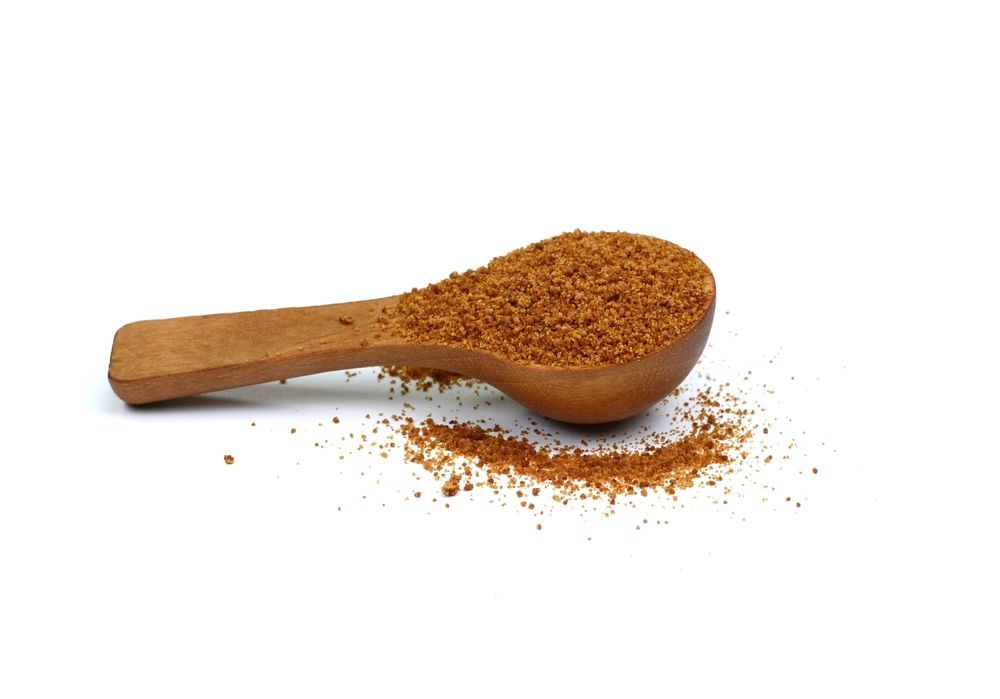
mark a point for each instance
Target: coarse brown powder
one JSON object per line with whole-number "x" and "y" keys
{"x": 709, "y": 431}
{"x": 578, "y": 299}
{"x": 424, "y": 378}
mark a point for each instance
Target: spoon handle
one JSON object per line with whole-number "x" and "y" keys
{"x": 153, "y": 360}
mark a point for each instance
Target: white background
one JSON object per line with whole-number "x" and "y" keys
{"x": 835, "y": 163}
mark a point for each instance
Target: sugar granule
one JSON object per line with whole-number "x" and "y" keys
{"x": 578, "y": 299}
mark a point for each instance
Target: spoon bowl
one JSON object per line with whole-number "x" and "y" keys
{"x": 156, "y": 360}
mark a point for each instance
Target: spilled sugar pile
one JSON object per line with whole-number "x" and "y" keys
{"x": 712, "y": 437}
{"x": 711, "y": 441}
{"x": 707, "y": 433}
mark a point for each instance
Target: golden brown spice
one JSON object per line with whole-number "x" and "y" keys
{"x": 425, "y": 378}
{"x": 578, "y": 299}
{"x": 709, "y": 431}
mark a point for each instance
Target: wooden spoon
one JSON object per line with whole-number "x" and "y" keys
{"x": 154, "y": 360}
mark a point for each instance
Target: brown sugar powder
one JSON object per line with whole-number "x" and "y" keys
{"x": 578, "y": 299}
{"x": 423, "y": 379}
{"x": 708, "y": 434}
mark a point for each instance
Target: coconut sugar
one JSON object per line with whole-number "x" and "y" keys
{"x": 708, "y": 432}
{"x": 578, "y": 299}
{"x": 575, "y": 300}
